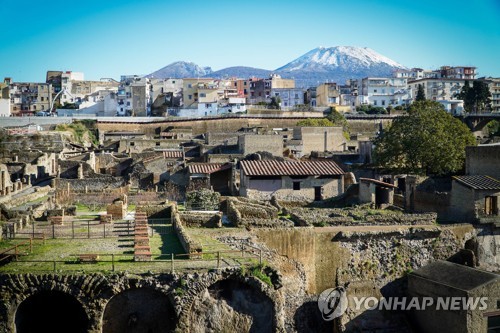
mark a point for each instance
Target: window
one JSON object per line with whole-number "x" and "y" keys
{"x": 128, "y": 103}
{"x": 296, "y": 95}
{"x": 245, "y": 91}
{"x": 296, "y": 186}
{"x": 383, "y": 102}
{"x": 235, "y": 84}
{"x": 491, "y": 205}
{"x": 190, "y": 96}
{"x": 208, "y": 105}
{"x": 157, "y": 144}
{"x": 132, "y": 144}
{"x": 375, "y": 102}
{"x": 203, "y": 95}
{"x": 245, "y": 83}
{"x": 190, "y": 85}
{"x": 374, "y": 90}
{"x": 173, "y": 82}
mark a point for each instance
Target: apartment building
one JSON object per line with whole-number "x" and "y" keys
{"x": 458, "y": 72}
{"x": 166, "y": 93}
{"x": 328, "y": 94}
{"x": 438, "y": 89}
{"x": 444, "y": 72}
{"x": 134, "y": 96}
{"x": 190, "y": 94}
{"x": 416, "y": 73}
{"x": 4, "y": 100}
{"x": 442, "y": 90}
{"x": 385, "y": 91}
{"x": 494, "y": 85}
{"x": 28, "y": 98}
{"x": 289, "y": 97}
{"x": 260, "y": 89}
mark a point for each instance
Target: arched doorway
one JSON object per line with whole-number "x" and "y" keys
{"x": 51, "y": 311}
{"x": 143, "y": 310}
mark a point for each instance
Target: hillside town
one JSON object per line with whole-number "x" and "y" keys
{"x": 251, "y": 204}
{"x": 66, "y": 93}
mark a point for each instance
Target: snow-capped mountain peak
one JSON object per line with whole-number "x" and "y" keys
{"x": 342, "y": 57}
{"x": 181, "y": 69}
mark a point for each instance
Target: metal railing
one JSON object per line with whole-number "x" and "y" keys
{"x": 175, "y": 262}
{"x": 15, "y": 251}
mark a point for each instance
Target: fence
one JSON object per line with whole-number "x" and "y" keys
{"x": 124, "y": 262}
{"x": 7, "y": 254}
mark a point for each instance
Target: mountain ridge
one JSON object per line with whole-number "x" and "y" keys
{"x": 322, "y": 64}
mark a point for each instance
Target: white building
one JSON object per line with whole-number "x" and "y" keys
{"x": 289, "y": 97}
{"x": 167, "y": 91}
{"x": 102, "y": 103}
{"x": 455, "y": 107}
{"x": 438, "y": 89}
{"x": 385, "y": 91}
{"x": 416, "y": 73}
{"x": 4, "y": 107}
{"x": 134, "y": 96}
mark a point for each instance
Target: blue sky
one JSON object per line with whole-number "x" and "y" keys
{"x": 108, "y": 38}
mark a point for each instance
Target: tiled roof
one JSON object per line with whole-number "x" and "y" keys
{"x": 172, "y": 153}
{"x": 277, "y": 168}
{"x": 207, "y": 168}
{"x": 479, "y": 182}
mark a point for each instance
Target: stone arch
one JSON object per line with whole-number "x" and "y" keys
{"x": 85, "y": 289}
{"x": 240, "y": 304}
{"x": 51, "y": 311}
{"x": 142, "y": 309}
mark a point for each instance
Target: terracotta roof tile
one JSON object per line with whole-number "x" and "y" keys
{"x": 278, "y": 168}
{"x": 207, "y": 168}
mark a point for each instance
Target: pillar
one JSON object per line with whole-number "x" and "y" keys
{"x": 80, "y": 171}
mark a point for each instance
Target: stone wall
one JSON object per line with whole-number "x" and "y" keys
{"x": 330, "y": 187}
{"x": 190, "y": 245}
{"x": 483, "y": 160}
{"x": 95, "y": 294}
{"x": 243, "y": 211}
{"x": 380, "y": 255}
{"x": 159, "y": 210}
{"x": 253, "y": 143}
{"x": 91, "y": 184}
{"x": 357, "y": 217}
{"x": 201, "y": 220}
{"x": 118, "y": 210}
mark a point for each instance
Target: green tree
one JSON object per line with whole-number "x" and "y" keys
{"x": 420, "y": 94}
{"x": 371, "y": 109}
{"x": 275, "y": 103}
{"x": 315, "y": 122}
{"x": 493, "y": 128}
{"x": 427, "y": 140}
{"x": 338, "y": 119}
{"x": 476, "y": 98}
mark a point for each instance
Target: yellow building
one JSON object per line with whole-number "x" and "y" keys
{"x": 190, "y": 93}
{"x": 327, "y": 94}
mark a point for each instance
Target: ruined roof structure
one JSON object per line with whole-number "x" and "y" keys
{"x": 455, "y": 275}
{"x": 479, "y": 182}
{"x": 288, "y": 168}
